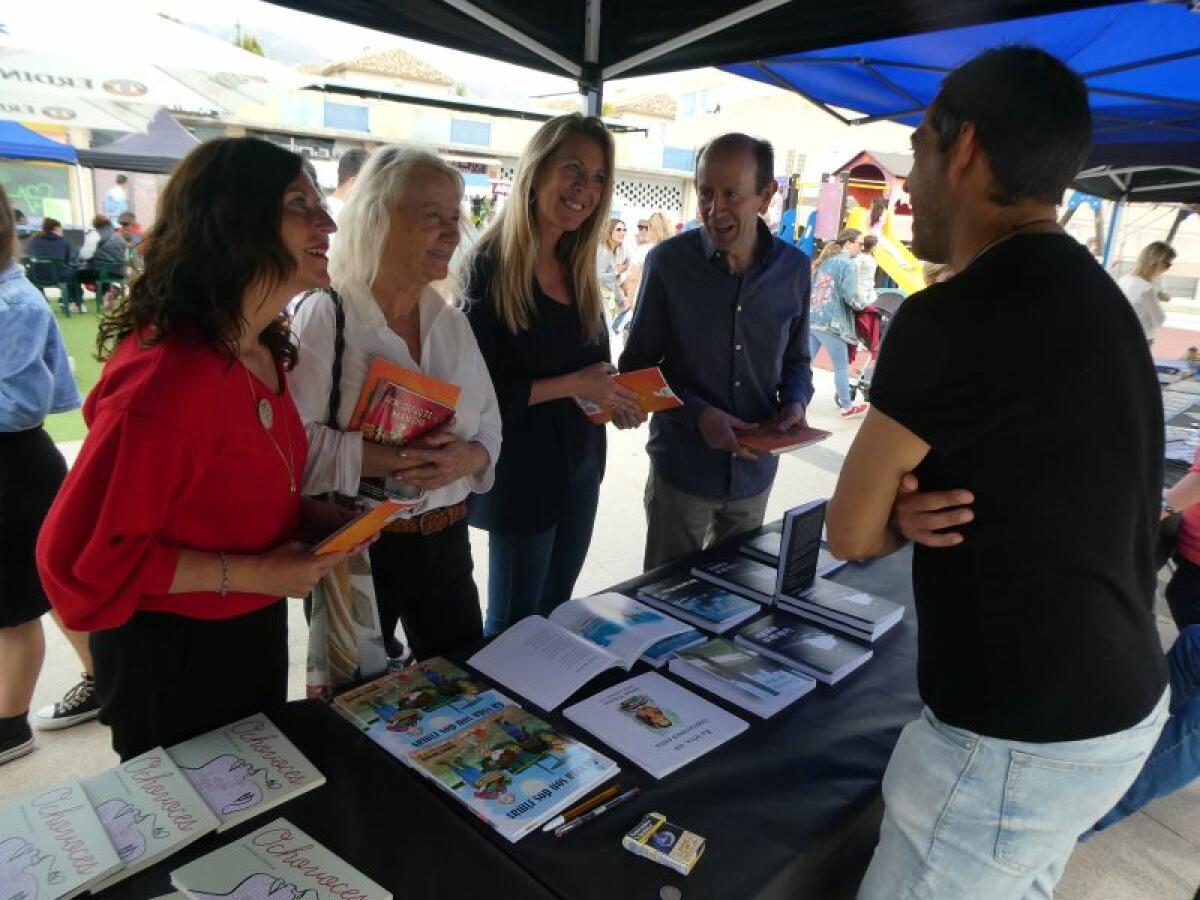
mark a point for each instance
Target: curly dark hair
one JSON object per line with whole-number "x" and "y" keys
{"x": 217, "y": 232}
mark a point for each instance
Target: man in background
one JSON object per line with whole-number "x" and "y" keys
{"x": 349, "y": 166}
{"x": 723, "y": 310}
{"x": 116, "y": 200}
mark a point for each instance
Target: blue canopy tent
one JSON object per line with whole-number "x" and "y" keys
{"x": 1141, "y": 62}
{"x": 19, "y": 142}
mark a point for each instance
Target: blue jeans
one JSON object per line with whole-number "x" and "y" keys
{"x": 973, "y": 816}
{"x": 839, "y": 355}
{"x": 1175, "y": 759}
{"x": 534, "y": 573}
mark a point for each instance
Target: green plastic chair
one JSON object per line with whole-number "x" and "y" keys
{"x": 44, "y": 273}
{"x": 107, "y": 274}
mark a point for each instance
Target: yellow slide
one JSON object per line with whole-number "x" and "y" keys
{"x": 893, "y": 257}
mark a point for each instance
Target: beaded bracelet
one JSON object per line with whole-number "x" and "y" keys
{"x": 224, "y": 591}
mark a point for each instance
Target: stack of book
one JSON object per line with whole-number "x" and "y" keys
{"x": 800, "y": 645}
{"x": 741, "y": 676}
{"x": 765, "y": 549}
{"x": 658, "y": 655}
{"x": 510, "y": 768}
{"x": 736, "y": 573}
{"x": 699, "y": 602}
{"x": 844, "y": 609}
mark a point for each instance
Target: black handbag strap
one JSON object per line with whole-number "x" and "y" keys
{"x": 339, "y": 347}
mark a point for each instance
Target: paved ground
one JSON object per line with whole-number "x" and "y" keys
{"x": 1155, "y": 854}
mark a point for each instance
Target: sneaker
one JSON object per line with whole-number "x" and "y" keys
{"x": 16, "y": 746}
{"x": 854, "y": 410}
{"x": 77, "y": 705}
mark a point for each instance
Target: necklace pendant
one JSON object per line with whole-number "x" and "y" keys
{"x": 265, "y": 414}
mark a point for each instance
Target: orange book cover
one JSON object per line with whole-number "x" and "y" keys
{"x": 440, "y": 392}
{"x": 654, "y": 394}
{"x": 362, "y": 527}
{"x": 767, "y": 439}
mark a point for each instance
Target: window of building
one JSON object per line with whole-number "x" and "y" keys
{"x": 471, "y": 131}
{"x": 681, "y": 158}
{"x": 345, "y": 116}
{"x": 794, "y": 163}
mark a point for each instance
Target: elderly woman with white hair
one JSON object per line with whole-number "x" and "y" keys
{"x": 397, "y": 233}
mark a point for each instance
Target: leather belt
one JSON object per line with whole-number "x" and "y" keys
{"x": 429, "y": 522}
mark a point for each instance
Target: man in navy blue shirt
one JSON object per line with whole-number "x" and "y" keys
{"x": 723, "y": 310}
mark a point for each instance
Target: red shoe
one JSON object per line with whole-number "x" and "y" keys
{"x": 854, "y": 410}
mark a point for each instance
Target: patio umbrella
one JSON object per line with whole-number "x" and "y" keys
{"x": 84, "y": 65}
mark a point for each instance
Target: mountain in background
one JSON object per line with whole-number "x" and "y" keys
{"x": 277, "y": 47}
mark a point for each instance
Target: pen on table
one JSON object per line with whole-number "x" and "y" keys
{"x": 598, "y": 811}
{"x": 580, "y": 808}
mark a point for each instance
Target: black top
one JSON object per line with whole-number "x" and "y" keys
{"x": 736, "y": 342}
{"x": 547, "y": 446}
{"x": 1030, "y": 379}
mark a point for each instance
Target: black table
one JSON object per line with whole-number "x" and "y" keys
{"x": 790, "y": 808}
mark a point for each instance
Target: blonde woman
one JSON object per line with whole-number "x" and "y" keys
{"x": 650, "y": 233}
{"x": 611, "y": 263}
{"x": 399, "y": 230}
{"x": 1141, "y": 286}
{"x": 533, "y": 300}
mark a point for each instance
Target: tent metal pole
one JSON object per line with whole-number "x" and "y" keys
{"x": 1113, "y": 224}
{"x": 783, "y": 84}
{"x": 515, "y": 35}
{"x": 591, "y": 85}
{"x": 1179, "y": 217}
{"x": 690, "y": 37}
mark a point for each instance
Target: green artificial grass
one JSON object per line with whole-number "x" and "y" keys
{"x": 79, "y": 332}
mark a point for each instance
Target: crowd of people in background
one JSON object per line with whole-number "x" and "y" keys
{"x": 241, "y": 412}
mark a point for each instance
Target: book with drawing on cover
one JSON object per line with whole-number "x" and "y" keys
{"x": 766, "y": 438}
{"x": 801, "y": 645}
{"x": 514, "y": 771}
{"x": 419, "y": 705}
{"x": 397, "y": 405}
{"x": 148, "y": 809}
{"x": 698, "y": 602}
{"x": 276, "y": 862}
{"x": 655, "y": 722}
{"x": 741, "y": 575}
{"x": 654, "y": 394}
{"x": 547, "y": 660}
{"x": 743, "y": 677}
{"x": 244, "y": 769}
{"x": 53, "y": 845}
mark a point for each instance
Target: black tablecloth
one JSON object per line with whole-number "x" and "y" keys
{"x": 790, "y": 808}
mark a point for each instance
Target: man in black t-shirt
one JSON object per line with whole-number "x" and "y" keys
{"x": 1038, "y": 657}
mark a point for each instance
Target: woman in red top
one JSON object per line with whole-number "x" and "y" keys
{"x": 177, "y": 531}
{"x": 1183, "y": 591}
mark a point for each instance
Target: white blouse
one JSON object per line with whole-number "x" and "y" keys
{"x": 448, "y": 352}
{"x": 1143, "y": 296}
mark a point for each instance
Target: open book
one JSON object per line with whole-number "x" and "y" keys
{"x": 398, "y": 405}
{"x": 654, "y": 394}
{"x": 547, "y": 660}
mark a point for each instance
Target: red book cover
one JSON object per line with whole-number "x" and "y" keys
{"x": 768, "y": 439}
{"x": 397, "y": 404}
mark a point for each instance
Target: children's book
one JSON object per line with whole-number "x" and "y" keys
{"x": 395, "y": 406}
{"x": 53, "y": 845}
{"x": 655, "y": 723}
{"x": 765, "y": 549}
{"x": 766, "y": 438}
{"x": 803, "y": 646}
{"x": 362, "y": 527}
{"x": 418, "y": 706}
{"x": 148, "y": 809}
{"x": 698, "y": 602}
{"x": 654, "y": 394}
{"x": 514, "y": 771}
{"x": 276, "y": 862}
{"x": 245, "y": 769}
{"x": 547, "y": 660}
{"x": 845, "y": 609}
{"x": 741, "y": 676}
{"x": 743, "y": 576}
{"x": 659, "y": 653}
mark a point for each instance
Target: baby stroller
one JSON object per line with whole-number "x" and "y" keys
{"x": 886, "y": 302}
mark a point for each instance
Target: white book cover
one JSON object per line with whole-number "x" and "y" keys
{"x": 148, "y": 809}
{"x": 276, "y": 862}
{"x": 245, "y": 769}
{"x": 547, "y": 660}
{"x": 656, "y": 723}
{"x": 52, "y": 845}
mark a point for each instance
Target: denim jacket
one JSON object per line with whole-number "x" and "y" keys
{"x": 834, "y": 288}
